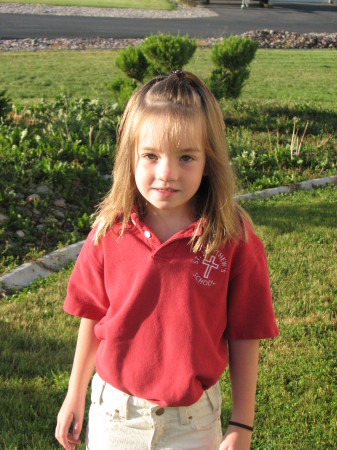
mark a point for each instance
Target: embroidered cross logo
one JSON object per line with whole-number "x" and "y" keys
{"x": 211, "y": 264}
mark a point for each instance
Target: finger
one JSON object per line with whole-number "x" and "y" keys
{"x": 62, "y": 433}
{"x": 77, "y": 428}
{"x": 72, "y": 439}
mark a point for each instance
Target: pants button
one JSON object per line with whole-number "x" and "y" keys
{"x": 160, "y": 411}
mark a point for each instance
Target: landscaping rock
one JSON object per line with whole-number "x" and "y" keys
{"x": 181, "y": 12}
{"x": 265, "y": 39}
{"x": 59, "y": 214}
{"x": 20, "y": 233}
{"x": 285, "y": 39}
{"x": 60, "y": 203}
{"x": 3, "y": 218}
{"x": 42, "y": 189}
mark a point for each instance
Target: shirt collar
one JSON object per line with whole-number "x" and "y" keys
{"x": 188, "y": 232}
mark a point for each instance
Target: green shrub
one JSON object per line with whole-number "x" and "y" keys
{"x": 226, "y": 83}
{"x": 122, "y": 88}
{"x": 64, "y": 147}
{"x": 133, "y": 63}
{"x": 167, "y": 52}
{"x": 5, "y": 104}
{"x": 231, "y": 58}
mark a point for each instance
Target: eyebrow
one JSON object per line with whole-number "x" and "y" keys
{"x": 180, "y": 150}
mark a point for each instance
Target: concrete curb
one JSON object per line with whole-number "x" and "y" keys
{"x": 22, "y": 276}
{"x": 303, "y": 185}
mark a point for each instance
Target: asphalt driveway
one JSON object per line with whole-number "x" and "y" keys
{"x": 230, "y": 20}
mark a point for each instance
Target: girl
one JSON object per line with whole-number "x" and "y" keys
{"x": 171, "y": 285}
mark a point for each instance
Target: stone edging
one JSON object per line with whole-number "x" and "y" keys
{"x": 303, "y": 185}
{"x": 22, "y": 276}
{"x": 182, "y": 11}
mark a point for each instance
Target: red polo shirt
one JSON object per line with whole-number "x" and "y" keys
{"x": 164, "y": 313}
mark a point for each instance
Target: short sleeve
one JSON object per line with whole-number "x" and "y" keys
{"x": 86, "y": 295}
{"x": 250, "y": 313}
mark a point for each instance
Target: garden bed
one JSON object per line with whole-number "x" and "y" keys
{"x": 57, "y": 159}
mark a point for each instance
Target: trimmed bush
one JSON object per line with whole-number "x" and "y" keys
{"x": 133, "y": 63}
{"x": 231, "y": 58}
{"x": 122, "y": 89}
{"x": 5, "y": 104}
{"x": 167, "y": 52}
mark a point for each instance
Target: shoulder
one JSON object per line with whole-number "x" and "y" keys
{"x": 93, "y": 250}
{"x": 246, "y": 250}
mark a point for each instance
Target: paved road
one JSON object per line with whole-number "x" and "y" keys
{"x": 231, "y": 19}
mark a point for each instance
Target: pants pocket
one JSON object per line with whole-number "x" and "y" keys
{"x": 205, "y": 413}
{"x": 108, "y": 401}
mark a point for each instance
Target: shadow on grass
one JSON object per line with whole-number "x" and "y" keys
{"x": 34, "y": 371}
{"x": 280, "y": 216}
{"x": 28, "y": 354}
{"x": 272, "y": 116}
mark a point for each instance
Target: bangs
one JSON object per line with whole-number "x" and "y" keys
{"x": 170, "y": 123}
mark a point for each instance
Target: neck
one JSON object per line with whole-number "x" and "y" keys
{"x": 165, "y": 224}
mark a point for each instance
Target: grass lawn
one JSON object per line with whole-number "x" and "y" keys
{"x": 139, "y": 4}
{"x": 304, "y": 76}
{"x": 296, "y": 397}
{"x": 59, "y": 143}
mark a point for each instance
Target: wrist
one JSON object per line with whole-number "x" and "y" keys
{"x": 243, "y": 415}
{"x": 242, "y": 425}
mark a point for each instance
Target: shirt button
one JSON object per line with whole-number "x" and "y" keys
{"x": 147, "y": 234}
{"x": 160, "y": 411}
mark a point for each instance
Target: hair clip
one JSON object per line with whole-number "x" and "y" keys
{"x": 179, "y": 73}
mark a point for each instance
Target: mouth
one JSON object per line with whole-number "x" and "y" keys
{"x": 165, "y": 192}
{"x": 169, "y": 190}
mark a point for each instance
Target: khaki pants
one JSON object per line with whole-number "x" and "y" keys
{"x": 120, "y": 421}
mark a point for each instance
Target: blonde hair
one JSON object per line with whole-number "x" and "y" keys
{"x": 179, "y": 99}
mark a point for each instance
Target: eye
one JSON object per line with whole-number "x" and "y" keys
{"x": 150, "y": 156}
{"x": 186, "y": 158}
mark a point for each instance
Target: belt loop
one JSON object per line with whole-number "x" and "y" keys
{"x": 101, "y": 396}
{"x": 183, "y": 414}
{"x": 123, "y": 403}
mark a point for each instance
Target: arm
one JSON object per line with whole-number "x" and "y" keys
{"x": 72, "y": 410}
{"x": 243, "y": 365}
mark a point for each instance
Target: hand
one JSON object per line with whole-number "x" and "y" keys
{"x": 236, "y": 439}
{"x": 71, "y": 413}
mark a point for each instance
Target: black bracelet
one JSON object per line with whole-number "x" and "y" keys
{"x": 241, "y": 425}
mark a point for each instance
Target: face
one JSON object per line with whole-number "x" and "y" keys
{"x": 168, "y": 176}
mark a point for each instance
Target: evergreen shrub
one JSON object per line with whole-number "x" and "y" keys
{"x": 231, "y": 57}
{"x": 122, "y": 89}
{"x": 159, "y": 54}
{"x": 5, "y": 104}
{"x": 133, "y": 63}
{"x": 167, "y": 52}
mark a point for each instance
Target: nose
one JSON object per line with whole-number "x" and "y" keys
{"x": 167, "y": 169}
